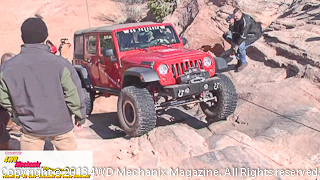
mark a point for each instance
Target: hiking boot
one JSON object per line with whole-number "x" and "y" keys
{"x": 240, "y": 68}
{"x": 238, "y": 64}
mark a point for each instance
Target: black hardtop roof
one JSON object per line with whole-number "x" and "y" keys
{"x": 111, "y": 28}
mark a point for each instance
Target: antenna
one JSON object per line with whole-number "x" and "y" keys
{"x": 88, "y": 13}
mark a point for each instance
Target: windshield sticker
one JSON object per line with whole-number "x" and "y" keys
{"x": 144, "y": 29}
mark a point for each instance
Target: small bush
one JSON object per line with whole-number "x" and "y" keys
{"x": 162, "y": 8}
{"x": 132, "y": 9}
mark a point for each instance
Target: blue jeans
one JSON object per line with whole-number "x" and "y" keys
{"x": 242, "y": 53}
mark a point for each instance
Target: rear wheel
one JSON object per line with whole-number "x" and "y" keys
{"x": 136, "y": 111}
{"x": 89, "y": 98}
{"x": 225, "y": 102}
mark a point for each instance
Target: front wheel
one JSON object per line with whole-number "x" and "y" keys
{"x": 136, "y": 111}
{"x": 225, "y": 102}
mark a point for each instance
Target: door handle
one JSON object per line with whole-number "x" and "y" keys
{"x": 87, "y": 60}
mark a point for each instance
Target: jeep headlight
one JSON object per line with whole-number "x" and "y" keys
{"x": 163, "y": 69}
{"x": 207, "y": 61}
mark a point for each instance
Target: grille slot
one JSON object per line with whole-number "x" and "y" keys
{"x": 179, "y": 69}
{"x": 174, "y": 71}
{"x": 191, "y": 63}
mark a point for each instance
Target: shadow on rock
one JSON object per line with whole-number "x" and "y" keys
{"x": 175, "y": 115}
{"x": 313, "y": 39}
{"x": 254, "y": 54}
{"x": 232, "y": 67}
{"x": 217, "y": 49}
{"x": 106, "y": 125}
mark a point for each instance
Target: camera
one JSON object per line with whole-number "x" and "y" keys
{"x": 63, "y": 40}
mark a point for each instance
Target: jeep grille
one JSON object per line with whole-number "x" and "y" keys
{"x": 180, "y": 68}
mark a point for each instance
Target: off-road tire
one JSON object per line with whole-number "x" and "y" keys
{"x": 136, "y": 111}
{"x": 227, "y": 101}
{"x": 88, "y": 100}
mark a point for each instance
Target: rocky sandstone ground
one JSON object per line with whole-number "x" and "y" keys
{"x": 291, "y": 31}
{"x": 257, "y": 139}
{"x": 276, "y": 123}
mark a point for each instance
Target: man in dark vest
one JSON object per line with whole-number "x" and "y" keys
{"x": 42, "y": 90}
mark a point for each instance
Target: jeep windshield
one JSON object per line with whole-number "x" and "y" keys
{"x": 141, "y": 38}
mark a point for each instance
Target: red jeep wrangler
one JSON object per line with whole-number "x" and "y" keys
{"x": 147, "y": 66}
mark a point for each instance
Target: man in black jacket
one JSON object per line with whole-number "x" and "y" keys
{"x": 248, "y": 31}
{"x": 42, "y": 90}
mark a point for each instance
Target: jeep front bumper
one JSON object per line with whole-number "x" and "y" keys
{"x": 184, "y": 90}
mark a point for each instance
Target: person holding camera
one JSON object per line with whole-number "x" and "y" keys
{"x": 64, "y": 48}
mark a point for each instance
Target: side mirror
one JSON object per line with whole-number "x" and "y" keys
{"x": 184, "y": 41}
{"x": 109, "y": 53}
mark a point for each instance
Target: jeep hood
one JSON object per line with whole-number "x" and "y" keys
{"x": 162, "y": 55}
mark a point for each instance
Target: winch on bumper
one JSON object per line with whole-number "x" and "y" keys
{"x": 195, "y": 86}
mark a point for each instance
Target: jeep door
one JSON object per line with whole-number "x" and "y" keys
{"x": 108, "y": 65}
{"x": 91, "y": 59}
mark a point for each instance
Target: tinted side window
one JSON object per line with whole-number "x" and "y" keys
{"x": 106, "y": 42}
{"x": 78, "y": 41}
{"x": 91, "y": 45}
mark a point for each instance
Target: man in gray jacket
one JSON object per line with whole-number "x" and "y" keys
{"x": 43, "y": 90}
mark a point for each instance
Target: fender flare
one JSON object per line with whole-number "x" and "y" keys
{"x": 84, "y": 76}
{"x": 144, "y": 74}
{"x": 221, "y": 64}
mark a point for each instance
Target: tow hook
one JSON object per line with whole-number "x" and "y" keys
{"x": 209, "y": 99}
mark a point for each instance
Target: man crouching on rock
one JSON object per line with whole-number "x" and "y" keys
{"x": 247, "y": 31}
{"x": 42, "y": 90}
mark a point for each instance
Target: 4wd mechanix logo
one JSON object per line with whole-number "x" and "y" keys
{"x": 14, "y": 159}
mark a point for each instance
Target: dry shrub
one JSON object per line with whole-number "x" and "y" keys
{"x": 132, "y": 9}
